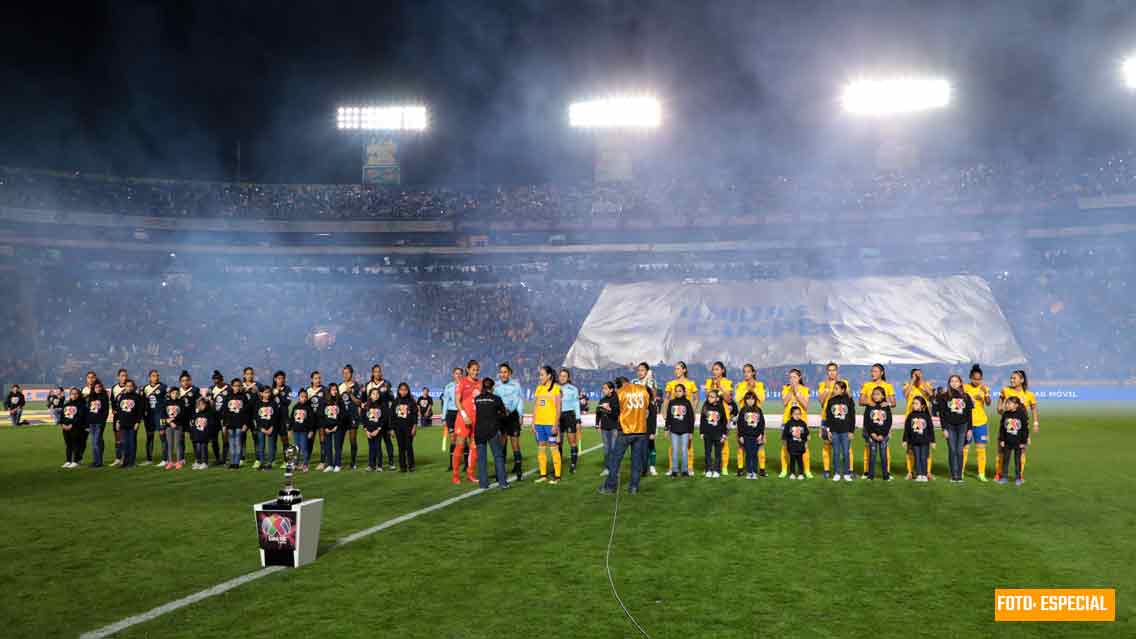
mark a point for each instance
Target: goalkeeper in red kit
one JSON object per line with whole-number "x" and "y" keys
{"x": 464, "y": 393}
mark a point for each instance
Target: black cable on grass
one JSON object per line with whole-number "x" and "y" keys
{"x": 607, "y": 567}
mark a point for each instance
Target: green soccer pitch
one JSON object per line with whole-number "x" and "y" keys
{"x": 722, "y": 558}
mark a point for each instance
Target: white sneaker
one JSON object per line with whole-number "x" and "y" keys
{"x": 603, "y": 473}
{"x": 921, "y": 478}
{"x": 143, "y": 463}
{"x": 337, "y": 469}
{"x": 652, "y": 472}
{"x": 836, "y": 478}
{"x": 849, "y": 478}
{"x": 327, "y": 469}
{"x": 717, "y": 475}
{"x": 66, "y": 465}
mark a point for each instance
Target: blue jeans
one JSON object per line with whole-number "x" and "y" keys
{"x": 878, "y": 450}
{"x": 16, "y": 415}
{"x": 96, "y": 432}
{"x": 56, "y": 413}
{"x": 608, "y": 437}
{"x": 336, "y": 441}
{"x": 921, "y": 452}
{"x": 265, "y": 441}
{"x": 638, "y": 446}
{"x": 679, "y": 444}
{"x": 235, "y": 451}
{"x": 305, "y": 446}
{"x": 750, "y": 446}
{"x": 841, "y": 453}
{"x": 129, "y": 446}
{"x": 498, "y": 450}
{"x": 956, "y": 441}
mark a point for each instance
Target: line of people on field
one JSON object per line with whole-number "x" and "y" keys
{"x": 220, "y": 418}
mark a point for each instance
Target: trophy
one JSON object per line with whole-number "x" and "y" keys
{"x": 289, "y": 495}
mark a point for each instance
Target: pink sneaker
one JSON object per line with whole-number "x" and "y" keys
{"x": 169, "y": 465}
{"x": 179, "y": 465}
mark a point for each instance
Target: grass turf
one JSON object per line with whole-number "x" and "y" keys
{"x": 727, "y": 558}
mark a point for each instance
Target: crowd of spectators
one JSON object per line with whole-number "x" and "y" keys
{"x": 1072, "y": 315}
{"x": 824, "y": 193}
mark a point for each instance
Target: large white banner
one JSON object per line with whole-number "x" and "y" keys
{"x": 896, "y": 320}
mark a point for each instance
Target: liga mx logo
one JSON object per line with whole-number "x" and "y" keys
{"x": 277, "y": 530}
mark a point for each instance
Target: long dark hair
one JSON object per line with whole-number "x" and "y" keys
{"x": 1025, "y": 380}
{"x": 551, "y": 376}
{"x": 883, "y": 371}
{"x": 951, "y": 392}
{"x": 568, "y": 373}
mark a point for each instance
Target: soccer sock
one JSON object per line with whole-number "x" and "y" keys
{"x": 456, "y": 459}
{"x": 805, "y": 462}
{"x": 965, "y": 456}
{"x": 826, "y": 456}
{"x": 784, "y": 459}
{"x": 910, "y": 461}
{"x": 741, "y": 458}
{"x": 761, "y": 458}
{"x": 690, "y": 455}
{"x": 472, "y": 461}
{"x": 517, "y": 460}
{"x": 652, "y": 456}
{"x": 149, "y": 446}
{"x": 1021, "y": 472}
{"x": 576, "y": 455}
{"x": 726, "y": 455}
{"x": 354, "y": 451}
{"x": 981, "y": 456}
{"x": 998, "y": 464}
{"x": 542, "y": 461}
{"x": 557, "y": 461}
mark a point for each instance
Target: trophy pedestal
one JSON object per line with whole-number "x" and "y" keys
{"x": 289, "y": 536}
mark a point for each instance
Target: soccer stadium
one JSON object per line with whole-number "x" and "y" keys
{"x": 601, "y": 318}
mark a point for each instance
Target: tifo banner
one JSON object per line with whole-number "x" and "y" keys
{"x": 898, "y": 320}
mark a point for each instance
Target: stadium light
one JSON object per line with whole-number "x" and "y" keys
{"x": 1128, "y": 68}
{"x": 374, "y": 118}
{"x": 891, "y": 95}
{"x": 641, "y": 112}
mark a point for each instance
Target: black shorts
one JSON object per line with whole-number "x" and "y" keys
{"x": 451, "y": 418}
{"x": 568, "y": 422}
{"x": 511, "y": 424}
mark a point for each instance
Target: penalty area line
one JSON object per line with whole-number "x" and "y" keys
{"x": 235, "y": 582}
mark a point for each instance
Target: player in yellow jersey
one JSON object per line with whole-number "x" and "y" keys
{"x": 1019, "y": 387}
{"x": 546, "y": 423}
{"x": 725, "y": 388}
{"x": 918, "y": 386}
{"x": 750, "y": 384}
{"x": 979, "y": 394}
{"x": 795, "y": 393}
{"x": 824, "y": 391}
{"x": 878, "y": 380}
{"x": 681, "y": 379}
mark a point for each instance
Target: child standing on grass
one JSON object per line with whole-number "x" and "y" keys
{"x": 607, "y": 421}
{"x": 877, "y": 432}
{"x": 712, "y": 424}
{"x": 201, "y": 428}
{"x": 73, "y": 421}
{"x": 839, "y": 426}
{"x": 301, "y": 422}
{"x": 1013, "y": 437}
{"x": 404, "y": 418}
{"x": 334, "y": 422}
{"x": 918, "y": 435}
{"x": 374, "y": 420}
{"x": 679, "y": 425}
{"x": 266, "y": 420}
{"x": 15, "y": 404}
{"x": 751, "y": 434}
{"x": 795, "y": 434}
{"x": 98, "y": 409}
{"x": 129, "y": 411}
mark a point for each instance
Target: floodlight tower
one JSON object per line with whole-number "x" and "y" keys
{"x": 382, "y": 131}
{"x": 890, "y": 101}
{"x": 617, "y": 124}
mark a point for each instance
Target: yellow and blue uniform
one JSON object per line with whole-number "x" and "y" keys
{"x": 826, "y": 449}
{"x": 804, "y": 392}
{"x": 889, "y": 393}
{"x": 980, "y": 429}
{"x": 691, "y": 394}
{"x": 757, "y": 388}
{"x": 1029, "y": 403}
{"x": 725, "y": 390}
{"x": 546, "y": 416}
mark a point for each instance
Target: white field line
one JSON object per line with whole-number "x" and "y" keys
{"x": 226, "y": 586}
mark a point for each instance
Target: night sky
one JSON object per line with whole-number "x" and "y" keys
{"x": 171, "y": 89}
